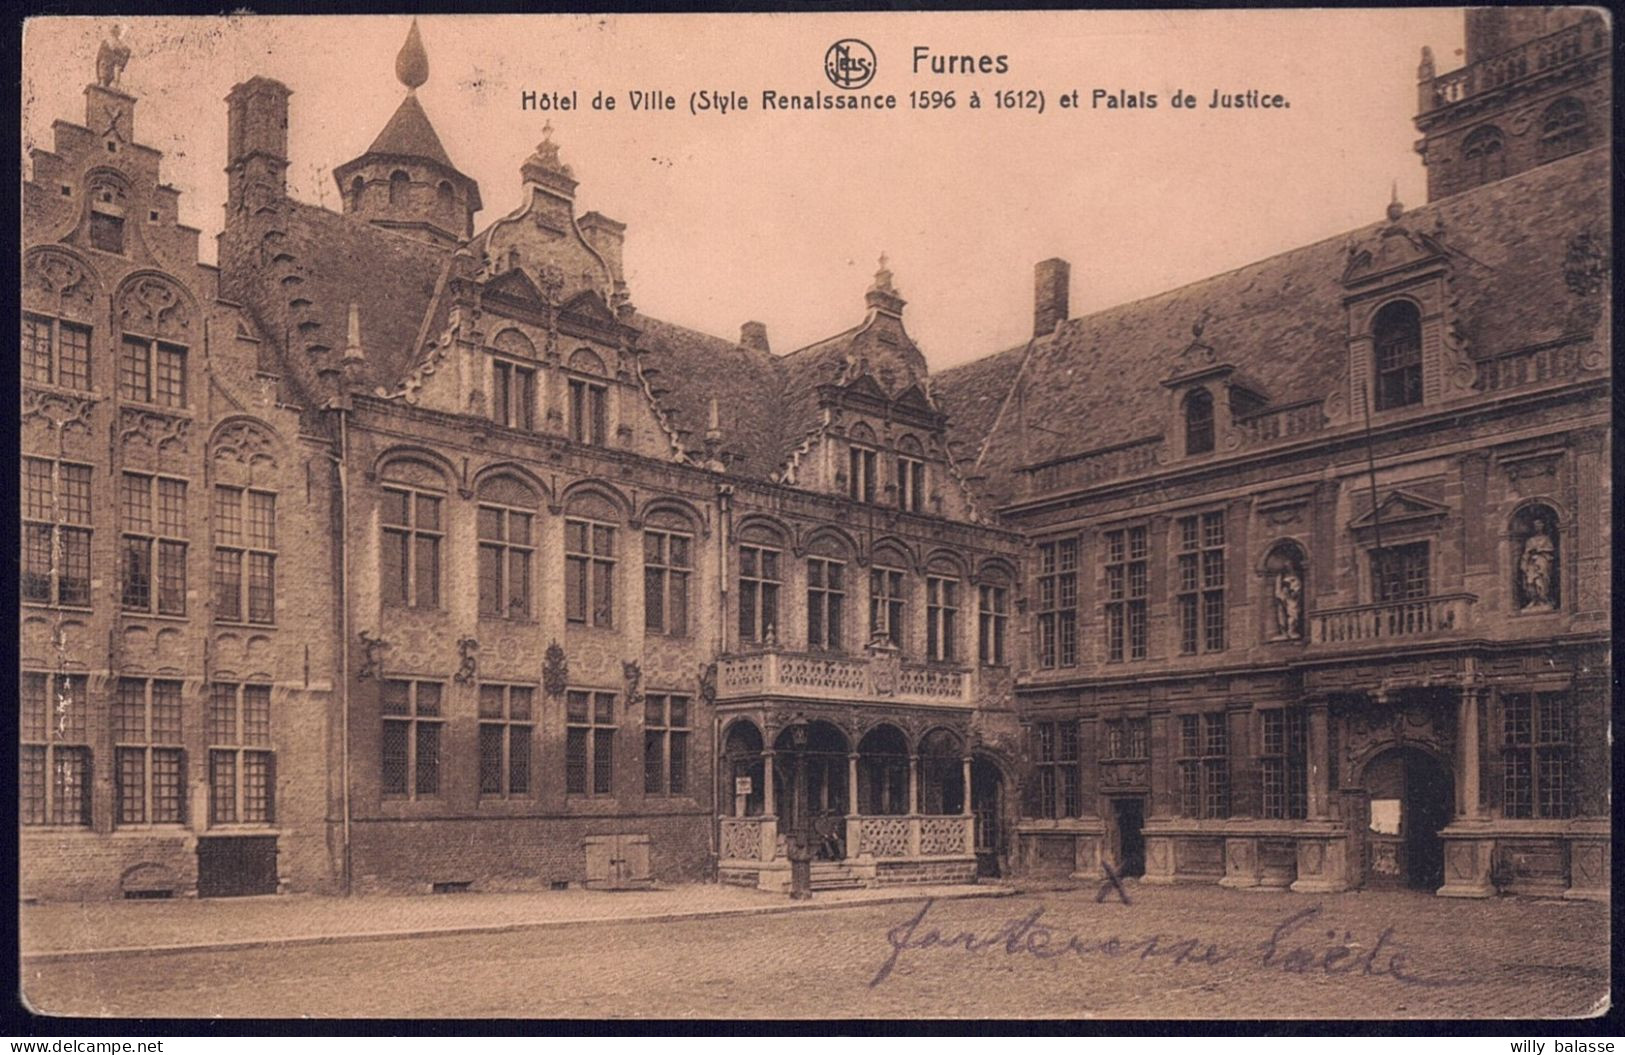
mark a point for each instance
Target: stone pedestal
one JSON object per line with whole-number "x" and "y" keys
{"x": 1467, "y": 867}
{"x": 1322, "y": 865}
{"x": 1240, "y": 864}
{"x": 1589, "y": 870}
{"x": 1159, "y": 860}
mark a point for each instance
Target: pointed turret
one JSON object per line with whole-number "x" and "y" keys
{"x": 406, "y": 181}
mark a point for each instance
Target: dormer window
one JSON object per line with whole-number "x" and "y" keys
{"x": 910, "y": 476}
{"x": 398, "y": 184}
{"x": 513, "y": 394}
{"x": 1397, "y": 337}
{"x": 589, "y": 414}
{"x": 860, "y": 481}
{"x": 1199, "y": 422}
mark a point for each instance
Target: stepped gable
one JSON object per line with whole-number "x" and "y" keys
{"x": 686, "y": 369}
{"x": 1097, "y": 382}
{"x": 392, "y": 279}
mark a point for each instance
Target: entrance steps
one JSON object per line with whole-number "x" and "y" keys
{"x": 834, "y": 875}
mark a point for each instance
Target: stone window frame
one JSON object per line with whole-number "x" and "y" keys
{"x": 1056, "y": 620}
{"x": 1201, "y": 582}
{"x": 248, "y": 553}
{"x": 63, "y": 519}
{"x": 420, "y": 779}
{"x": 589, "y": 744}
{"x": 159, "y": 541}
{"x": 53, "y": 347}
{"x": 511, "y": 726}
{"x": 1058, "y": 768}
{"x": 241, "y": 756}
{"x": 149, "y": 755}
{"x": 1202, "y": 765}
{"x": 56, "y": 754}
{"x": 668, "y": 732}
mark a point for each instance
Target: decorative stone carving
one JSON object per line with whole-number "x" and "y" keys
{"x": 632, "y": 673}
{"x": 708, "y": 683}
{"x": 468, "y": 650}
{"x": 1284, "y": 570}
{"x": 64, "y": 281}
{"x": 555, "y": 670}
{"x": 157, "y": 429}
{"x": 60, "y": 411}
{"x": 154, "y": 305}
{"x": 1536, "y": 582}
{"x": 373, "y": 648}
{"x": 111, "y": 58}
{"x": 1586, "y": 263}
{"x": 246, "y": 443}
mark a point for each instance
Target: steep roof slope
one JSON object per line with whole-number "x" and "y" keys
{"x": 1097, "y": 382}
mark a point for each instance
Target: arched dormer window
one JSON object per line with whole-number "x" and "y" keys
{"x": 398, "y": 184}
{"x": 443, "y": 194}
{"x": 860, "y": 476}
{"x": 589, "y": 399}
{"x": 1396, "y": 335}
{"x": 358, "y": 187}
{"x": 1484, "y": 151}
{"x": 910, "y": 475}
{"x": 513, "y": 381}
{"x": 1198, "y": 422}
{"x": 1563, "y": 129}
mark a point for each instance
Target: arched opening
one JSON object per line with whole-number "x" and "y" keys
{"x": 1537, "y": 570}
{"x": 942, "y": 773}
{"x": 358, "y": 188}
{"x": 810, "y": 786}
{"x": 987, "y": 804}
{"x": 399, "y": 182}
{"x": 1284, "y": 582}
{"x": 742, "y": 761}
{"x": 1484, "y": 152}
{"x": 883, "y": 772}
{"x": 443, "y": 194}
{"x": 1563, "y": 129}
{"x": 1397, "y": 339}
{"x": 1409, "y": 796}
{"x": 1199, "y": 422}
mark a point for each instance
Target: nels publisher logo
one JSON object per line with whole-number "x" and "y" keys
{"x": 849, "y": 64}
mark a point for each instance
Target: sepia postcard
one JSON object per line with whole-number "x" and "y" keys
{"x": 1022, "y": 515}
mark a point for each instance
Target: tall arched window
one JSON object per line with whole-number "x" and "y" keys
{"x": 507, "y": 545}
{"x": 1397, "y": 338}
{"x": 398, "y": 183}
{"x": 410, "y": 518}
{"x": 1563, "y": 129}
{"x": 1485, "y": 154}
{"x": 1199, "y": 422}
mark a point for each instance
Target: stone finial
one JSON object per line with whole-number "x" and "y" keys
{"x": 883, "y": 276}
{"x": 412, "y": 63}
{"x": 353, "y": 352}
{"x": 1395, "y": 209}
{"x": 111, "y": 58}
{"x": 1426, "y": 72}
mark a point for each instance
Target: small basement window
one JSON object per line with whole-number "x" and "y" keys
{"x": 148, "y": 895}
{"x": 460, "y": 886}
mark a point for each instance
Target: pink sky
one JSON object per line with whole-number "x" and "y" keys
{"x": 780, "y": 216}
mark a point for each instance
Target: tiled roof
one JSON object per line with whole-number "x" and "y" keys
{"x": 1097, "y": 382}
{"x": 409, "y": 134}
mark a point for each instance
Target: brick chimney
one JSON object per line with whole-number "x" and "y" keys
{"x": 256, "y": 143}
{"x": 754, "y": 335}
{"x": 1052, "y": 280}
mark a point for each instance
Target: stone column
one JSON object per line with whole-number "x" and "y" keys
{"x": 913, "y": 784}
{"x": 1318, "y": 750}
{"x": 769, "y": 807}
{"x": 852, "y": 785}
{"x": 965, "y": 763}
{"x": 1467, "y": 760}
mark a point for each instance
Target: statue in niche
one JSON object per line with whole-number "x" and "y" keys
{"x": 1537, "y": 565}
{"x": 1285, "y": 570}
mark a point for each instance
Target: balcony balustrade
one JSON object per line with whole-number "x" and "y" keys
{"x": 888, "y": 838}
{"x": 844, "y": 679}
{"x": 1532, "y": 57}
{"x": 1391, "y": 620}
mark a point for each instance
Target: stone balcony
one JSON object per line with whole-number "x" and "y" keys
{"x": 1422, "y": 617}
{"x": 1526, "y": 60}
{"x": 879, "y": 677}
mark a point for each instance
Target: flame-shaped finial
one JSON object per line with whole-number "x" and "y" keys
{"x": 412, "y": 64}
{"x": 1395, "y": 209}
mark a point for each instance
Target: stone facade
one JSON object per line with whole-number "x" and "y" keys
{"x": 1318, "y": 592}
{"x": 404, "y": 554}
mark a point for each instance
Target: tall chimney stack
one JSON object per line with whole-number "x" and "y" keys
{"x": 754, "y": 335}
{"x": 1052, "y": 281}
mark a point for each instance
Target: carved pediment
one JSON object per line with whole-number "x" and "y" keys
{"x": 1394, "y": 248}
{"x": 913, "y": 398}
{"x": 866, "y": 385}
{"x": 590, "y": 306}
{"x": 516, "y": 285}
{"x": 1399, "y": 507}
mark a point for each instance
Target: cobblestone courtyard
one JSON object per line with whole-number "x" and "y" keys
{"x": 1179, "y": 952}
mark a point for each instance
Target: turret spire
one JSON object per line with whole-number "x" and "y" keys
{"x": 412, "y": 64}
